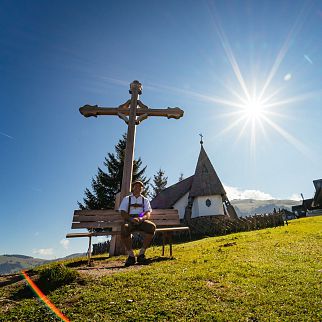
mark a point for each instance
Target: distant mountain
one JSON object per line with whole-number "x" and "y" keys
{"x": 15, "y": 263}
{"x": 246, "y": 207}
{"x": 10, "y": 264}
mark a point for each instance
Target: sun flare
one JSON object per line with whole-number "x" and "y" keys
{"x": 256, "y": 103}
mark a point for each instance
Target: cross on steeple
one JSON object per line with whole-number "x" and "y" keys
{"x": 201, "y": 136}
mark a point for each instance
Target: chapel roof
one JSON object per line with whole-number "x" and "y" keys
{"x": 206, "y": 181}
{"x": 169, "y": 196}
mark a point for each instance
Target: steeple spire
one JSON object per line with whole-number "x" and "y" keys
{"x": 205, "y": 181}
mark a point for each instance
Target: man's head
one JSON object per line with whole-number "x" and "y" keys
{"x": 137, "y": 187}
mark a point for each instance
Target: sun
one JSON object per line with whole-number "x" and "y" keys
{"x": 253, "y": 109}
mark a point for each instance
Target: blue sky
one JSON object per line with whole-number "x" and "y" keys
{"x": 246, "y": 73}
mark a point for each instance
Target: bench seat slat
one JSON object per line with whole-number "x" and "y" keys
{"x": 118, "y": 217}
{"x": 166, "y": 222}
{"x": 93, "y": 234}
{"x": 95, "y": 212}
{"x": 109, "y": 212}
{"x": 163, "y": 216}
{"x": 84, "y": 224}
{"x": 164, "y": 211}
{"x": 97, "y": 217}
{"x": 172, "y": 229}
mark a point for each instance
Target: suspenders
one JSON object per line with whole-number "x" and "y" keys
{"x": 136, "y": 205}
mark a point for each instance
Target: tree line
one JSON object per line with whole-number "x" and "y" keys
{"x": 107, "y": 182}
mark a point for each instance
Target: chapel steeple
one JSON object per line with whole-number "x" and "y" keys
{"x": 206, "y": 181}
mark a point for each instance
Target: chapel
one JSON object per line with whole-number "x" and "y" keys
{"x": 199, "y": 195}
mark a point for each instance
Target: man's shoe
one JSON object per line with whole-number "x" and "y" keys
{"x": 141, "y": 259}
{"x": 130, "y": 261}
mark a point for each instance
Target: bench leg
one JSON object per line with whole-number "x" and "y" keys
{"x": 89, "y": 252}
{"x": 111, "y": 251}
{"x": 163, "y": 242}
{"x": 170, "y": 243}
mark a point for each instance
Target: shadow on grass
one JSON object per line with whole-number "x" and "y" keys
{"x": 10, "y": 279}
{"x": 26, "y": 292}
{"x": 158, "y": 259}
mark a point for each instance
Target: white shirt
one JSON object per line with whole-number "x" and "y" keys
{"x": 135, "y": 210}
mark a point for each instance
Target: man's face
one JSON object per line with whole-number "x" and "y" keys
{"x": 137, "y": 189}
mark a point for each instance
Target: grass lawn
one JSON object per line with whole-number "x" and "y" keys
{"x": 273, "y": 274}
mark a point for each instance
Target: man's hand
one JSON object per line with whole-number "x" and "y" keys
{"x": 135, "y": 220}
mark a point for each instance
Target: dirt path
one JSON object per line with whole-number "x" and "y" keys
{"x": 100, "y": 269}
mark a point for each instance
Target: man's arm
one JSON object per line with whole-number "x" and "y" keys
{"x": 124, "y": 208}
{"x": 146, "y": 215}
{"x": 148, "y": 211}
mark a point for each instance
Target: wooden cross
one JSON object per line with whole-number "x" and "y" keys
{"x": 133, "y": 112}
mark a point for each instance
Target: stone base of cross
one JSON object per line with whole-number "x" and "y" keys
{"x": 133, "y": 112}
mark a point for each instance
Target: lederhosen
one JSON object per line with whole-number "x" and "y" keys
{"x": 145, "y": 226}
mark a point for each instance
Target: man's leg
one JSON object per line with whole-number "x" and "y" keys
{"x": 148, "y": 228}
{"x": 147, "y": 240}
{"x": 127, "y": 242}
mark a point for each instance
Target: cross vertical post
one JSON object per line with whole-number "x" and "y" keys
{"x": 135, "y": 91}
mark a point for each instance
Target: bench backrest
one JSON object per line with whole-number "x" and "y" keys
{"x": 110, "y": 218}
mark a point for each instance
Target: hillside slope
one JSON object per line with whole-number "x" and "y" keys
{"x": 273, "y": 274}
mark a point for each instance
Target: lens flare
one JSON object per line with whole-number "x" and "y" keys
{"x": 44, "y": 298}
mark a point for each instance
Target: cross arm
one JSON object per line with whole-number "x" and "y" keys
{"x": 94, "y": 110}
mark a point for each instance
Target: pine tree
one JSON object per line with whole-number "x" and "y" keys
{"x": 160, "y": 182}
{"x": 105, "y": 185}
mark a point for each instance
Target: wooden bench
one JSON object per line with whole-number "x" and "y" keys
{"x": 166, "y": 220}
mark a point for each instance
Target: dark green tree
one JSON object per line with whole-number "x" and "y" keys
{"x": 107, "y": 184}
{"x": 159, "y": 183}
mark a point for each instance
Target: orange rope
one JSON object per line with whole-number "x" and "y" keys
{"x": 43, "y": 297}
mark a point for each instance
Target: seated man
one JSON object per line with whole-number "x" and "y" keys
{"x": 136, "y": 210}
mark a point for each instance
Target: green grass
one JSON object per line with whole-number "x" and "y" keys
{"x": 267, "y": 275}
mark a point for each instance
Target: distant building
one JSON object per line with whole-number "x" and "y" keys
{"x": 199, "y": 195}
{"x": 317, "y": 199}
{"x": 313, "y": 206}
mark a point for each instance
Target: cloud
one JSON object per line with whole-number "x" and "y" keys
{"x": 308, "y": 59}
{"x": 295, "y": 196}
{"x": 6, "y": 135}
{"x": 236, "y": 193}
{"x": 287, "y": 77}
{"x": 65, "y": 243}
{"x": 44, "y": 251}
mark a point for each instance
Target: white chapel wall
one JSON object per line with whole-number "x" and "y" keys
{"x": 200, "y": 208}
{"x": 181, "y": 204}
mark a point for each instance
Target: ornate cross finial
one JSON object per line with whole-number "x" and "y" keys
{"x": 201, "y": 136}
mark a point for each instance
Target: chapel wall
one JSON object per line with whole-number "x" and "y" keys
{"x": 200, "y": 207}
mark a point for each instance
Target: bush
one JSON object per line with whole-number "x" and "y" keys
{"x": 57, "y": 275}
